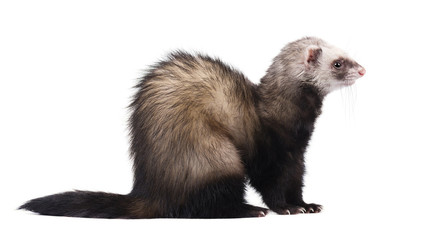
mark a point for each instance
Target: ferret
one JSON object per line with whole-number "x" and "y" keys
{"x": 200, "y": 131}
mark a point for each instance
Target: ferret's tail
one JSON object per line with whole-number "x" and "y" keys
{"x": 91, "y": 205}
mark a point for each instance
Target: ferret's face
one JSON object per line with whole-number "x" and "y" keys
{"x": 331, "y": 68}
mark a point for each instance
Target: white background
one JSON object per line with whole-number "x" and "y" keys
{"x": 66, "y": 72}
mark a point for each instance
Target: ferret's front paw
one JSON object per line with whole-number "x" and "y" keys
{"x": 290, "y": 210}
{"x": 313, "y": 208}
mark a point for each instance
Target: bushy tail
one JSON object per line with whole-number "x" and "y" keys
{"x": 90, "y": 205}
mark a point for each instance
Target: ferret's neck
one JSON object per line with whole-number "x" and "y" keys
{"x": 288, "y": 100}
{"x": 276, "y": 88}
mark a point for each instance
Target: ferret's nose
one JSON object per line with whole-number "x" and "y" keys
{"x": 361, "y": 71}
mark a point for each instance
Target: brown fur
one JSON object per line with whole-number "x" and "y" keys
{"x": 191, "y": 101}
{"x": 194, "y": 123}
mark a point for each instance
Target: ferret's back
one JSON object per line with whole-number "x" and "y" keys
{"x": 187, "y": 89}
{"x": 191, "y": 116}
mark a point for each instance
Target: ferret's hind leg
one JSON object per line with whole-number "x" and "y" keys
{"x": 222, "y": 199}
{"x": 254, "y": 211}
{"x": 220, "y": 193}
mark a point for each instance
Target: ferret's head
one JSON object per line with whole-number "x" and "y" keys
{"x": 313, "y": 61}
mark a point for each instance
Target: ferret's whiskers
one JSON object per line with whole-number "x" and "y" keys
{"x": 352, "y": 101}
{"x": 349, "y": 97}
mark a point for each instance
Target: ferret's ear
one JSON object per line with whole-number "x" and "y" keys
{"x": 312, "y": 55}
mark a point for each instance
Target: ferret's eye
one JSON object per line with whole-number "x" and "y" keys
{"x": 337, "y": 64}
